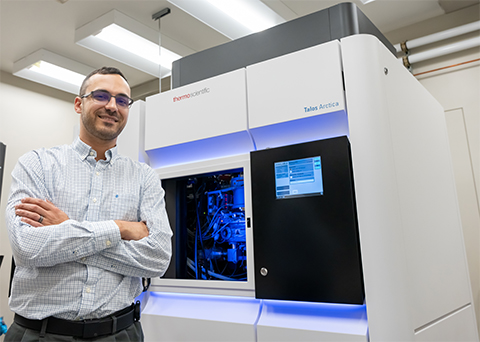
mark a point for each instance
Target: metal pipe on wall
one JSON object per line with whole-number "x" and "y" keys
{"x": 435, "y": 37}
{"x": 444, "y": 50}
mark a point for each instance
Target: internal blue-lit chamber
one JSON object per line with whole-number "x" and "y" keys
{"x": 213, "y": 217}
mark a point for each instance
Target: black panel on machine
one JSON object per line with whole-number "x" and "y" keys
{"x": 306, "y": 242}
{"x": 207, "y": 214}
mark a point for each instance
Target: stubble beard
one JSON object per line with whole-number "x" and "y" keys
{"x": 101, "y": 130}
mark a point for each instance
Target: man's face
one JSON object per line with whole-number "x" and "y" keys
{"x": 100, "y": 121}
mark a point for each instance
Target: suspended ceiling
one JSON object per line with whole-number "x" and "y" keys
{"x": 26, "y": 26}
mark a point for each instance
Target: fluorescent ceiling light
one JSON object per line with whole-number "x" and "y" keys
{"x": 60, "y": 73}
{"x": 249, "y": 16}
{"x": 128, "y": 41}
{"x": 366, "y": 1}
{"x": 245, "y": 13}
{"x": 122, "y": 38}
{"x": 53, "y": 70}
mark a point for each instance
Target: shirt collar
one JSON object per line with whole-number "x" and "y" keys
{"x": 85, "y": 150}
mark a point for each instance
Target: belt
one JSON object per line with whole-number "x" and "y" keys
{"x": 85, "y": 329}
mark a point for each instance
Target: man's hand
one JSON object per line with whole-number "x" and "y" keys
{"x": 132, "y": 230}
{"x": 39, "y": 213}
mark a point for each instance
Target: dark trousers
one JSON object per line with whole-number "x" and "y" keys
{"x": 17, "y": 333}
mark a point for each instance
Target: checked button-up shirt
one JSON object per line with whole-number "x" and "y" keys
{"x": 81, "y": 268}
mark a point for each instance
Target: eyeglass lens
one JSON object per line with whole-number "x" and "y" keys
{"x": 104, "y": 97}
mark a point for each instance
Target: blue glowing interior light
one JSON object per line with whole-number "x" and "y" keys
{"x": 331, "y": 318}
{"x": 313, "y": 128}
{"x": 334, "y": 318}
{"x": 210, "y": 148}
{"x": 210, "y": 233}
{"x": 317, "y": 127}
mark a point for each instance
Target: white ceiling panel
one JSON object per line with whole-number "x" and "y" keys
{"x": 27, "y": 26}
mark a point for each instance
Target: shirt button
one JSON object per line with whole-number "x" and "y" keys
{"x": 92, "y": 153}
{"x": 94, "y": 200}
{"x": 97, "y": 173}
{"x": 88, "y": 290}
{"x": 83, "y": 259}
{"x": 108, "y": 243}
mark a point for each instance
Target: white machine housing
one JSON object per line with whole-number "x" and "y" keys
{"x": 414, "y": 264}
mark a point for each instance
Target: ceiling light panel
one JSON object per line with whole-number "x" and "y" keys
{"x": 249, "y": 16}
{"x": 128, "y": 41}
{"x": 53, "y": 70}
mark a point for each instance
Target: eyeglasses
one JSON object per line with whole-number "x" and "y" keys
{"x": 103, "y": 97}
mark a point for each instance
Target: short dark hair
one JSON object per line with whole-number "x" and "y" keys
{"x": 102, "y": 71}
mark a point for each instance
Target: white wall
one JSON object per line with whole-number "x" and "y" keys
{"x": 458, "y": 91}
{"x": 31, "y": 116}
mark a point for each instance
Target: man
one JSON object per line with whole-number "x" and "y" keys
{"x": 85, "y": 225}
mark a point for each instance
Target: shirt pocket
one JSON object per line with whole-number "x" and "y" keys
{"x": 125, "y": 207}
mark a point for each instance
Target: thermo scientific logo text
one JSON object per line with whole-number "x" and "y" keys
{"x": 192, "y": 94}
